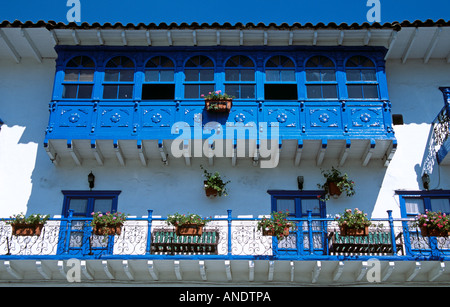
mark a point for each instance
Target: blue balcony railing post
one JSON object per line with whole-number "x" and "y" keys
{"x": 149, "y": 231}
{"x": 310, "y": 233}
{"x": 229, "y": 219}
{"x": 391, "y": 226}
{"x": 69, "y": 231}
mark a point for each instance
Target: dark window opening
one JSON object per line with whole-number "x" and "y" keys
{"x": 158, "y": 91}
{"x": 280, "y": 92}
{"x": 397, "y": 119}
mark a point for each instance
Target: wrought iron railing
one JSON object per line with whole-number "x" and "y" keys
{"x": 234, "y": 238}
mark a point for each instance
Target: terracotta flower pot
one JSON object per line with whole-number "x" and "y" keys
{"x": 347, "y": 231}
{"x": 271, "y": 232}
{"x": 220, "y": 105}
{"x": 27, "y": 229}
{"x": 110, "y": 230}
{"x": 189, "y": 230}
{"x": 210, "y": 192}
{"x": 433, "y": 232}
{"x": 333, "y": 189}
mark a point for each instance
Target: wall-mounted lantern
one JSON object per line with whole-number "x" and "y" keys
{"x": 91, "y": 180}
{"x": 300, "y": 181}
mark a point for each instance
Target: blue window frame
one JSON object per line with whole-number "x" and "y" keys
{"x": 118, "y": 81}
{"x": 240, "y": 79}
{"x": 361, "y": 78}
{"x": 78, "y": 78}
{"x": 159, "y": 79}
{"x": 280, "y": 81}
{"x": 83, "y": 203}
{"x": 413, "y": 203}
{"x": 321, "y": 80}
{"x": 298, "y": 203}
{"x": 198, "y": 77}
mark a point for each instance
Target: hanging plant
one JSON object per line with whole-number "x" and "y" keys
{"x": 353, "y": 223}
{"x": 336, "y": 183}
{"x": 214, "y": 184}
{"x": 106, "y": 224}
{"x": 277, "y": 225}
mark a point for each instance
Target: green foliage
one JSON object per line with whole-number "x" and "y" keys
{"x": 277, "y": 223}
{"x": 215, "y": 181}
{"x": 113, "y": 219}
{"x": 356, "y": 219}
{"x": 178, "y": 219}
{"x": 31, "y": 219}
{"x": 216, "y": 95}
{"x": 342, "y": 181}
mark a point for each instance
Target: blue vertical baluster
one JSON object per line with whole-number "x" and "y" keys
{"x": 69, "y": 231}
{"x": 149, "y": 231}
{"x": 310, "y": 232}
{"x": 391, "y": 226}
{"x": 229, "y": 232}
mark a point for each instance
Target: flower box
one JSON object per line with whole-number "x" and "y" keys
{"x": 222, "y": 106}
{"x": 189, "y": 229}
{"x": 107, "y": 230}
{"x": 433, "y": 232}
{"x": 27, "y": 229}
{"x": 271, "y": 232}
{"x": 356, "y": 232}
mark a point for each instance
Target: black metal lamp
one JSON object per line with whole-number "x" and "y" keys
{"x": 300, "y": 181}
{"x": 91, "y": 180}
{"x": 426, "y": 181}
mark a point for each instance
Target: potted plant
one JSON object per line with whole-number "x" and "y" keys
{"x": 187, "y": 225}
{"x": 277, "y": 225}
{"x": 107, "y": 224}
{"x": 214, "y": 184}
{"x": 336, "y": 183}
{"x": 217, "y": 102}
{"x": 27, "y": 226}
{"x": 353, "y": 223}
{"x": 433, "y": 224}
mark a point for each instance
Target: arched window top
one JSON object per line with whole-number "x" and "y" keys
{"x": 280, "y": 61}
{"x": 80, "y": 62}
{"x": 120, "y": 62}
{"x": 240, "y": 61}
{"x": 199, "y": 61}
{"x": 320, "y": 61}
{"x": 160, "y": 62}
{"x": 360, "y": 61}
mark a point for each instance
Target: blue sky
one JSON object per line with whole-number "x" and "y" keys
{"x": 233, "y": 11}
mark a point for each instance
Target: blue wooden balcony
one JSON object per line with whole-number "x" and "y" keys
{"x": 316, "y": 104}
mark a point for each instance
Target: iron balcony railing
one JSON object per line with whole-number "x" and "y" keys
{"x": 225, "y": 237}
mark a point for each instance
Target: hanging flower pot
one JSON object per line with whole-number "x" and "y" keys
{"x": 214, "y": 184}
{"x": 210, "y": 191}
{"x": 333, "y": 189}
{"x": 336, "y": 183}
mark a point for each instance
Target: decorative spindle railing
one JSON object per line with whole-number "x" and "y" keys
{"x": 235, "y": 238}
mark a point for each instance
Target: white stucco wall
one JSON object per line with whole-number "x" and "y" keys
{"x": 30, "y": 183}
